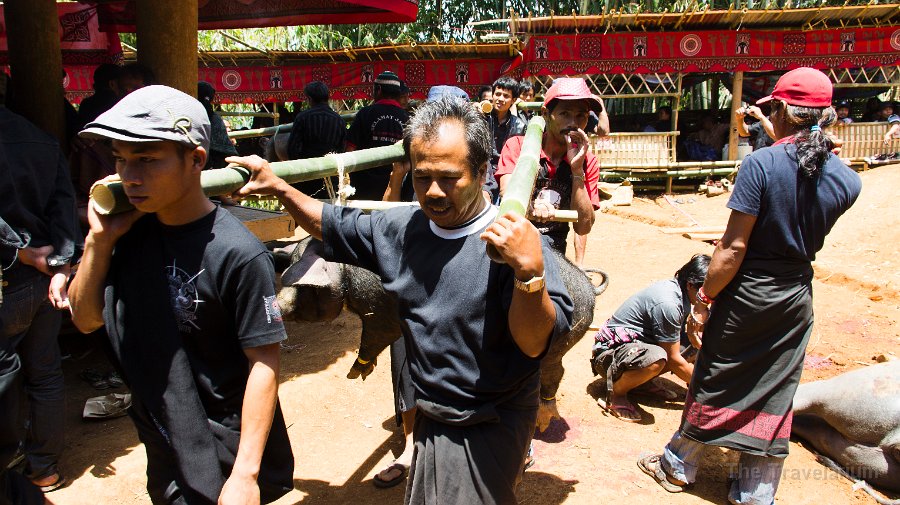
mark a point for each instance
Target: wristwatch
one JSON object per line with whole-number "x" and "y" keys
{"x": 531, "y": 285}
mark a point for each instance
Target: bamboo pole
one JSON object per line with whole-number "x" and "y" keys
{"x": 272, "y": 130}
{"x": 670, "y": 173}
{"x": 519, "y": 189}
{"x": 260, "y": 132}
{"x": 109, "y": 197}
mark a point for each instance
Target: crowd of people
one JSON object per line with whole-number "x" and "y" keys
{"x": 186, "y": 295}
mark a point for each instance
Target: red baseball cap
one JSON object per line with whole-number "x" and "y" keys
{"x": 572, "y": 88}
{"x": 804, "y": 86}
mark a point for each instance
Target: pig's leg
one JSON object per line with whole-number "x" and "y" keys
{"x": 872, "y": 464}
{"x": 551, "y": 374}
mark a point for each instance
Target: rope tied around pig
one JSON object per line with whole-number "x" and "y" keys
{"x": 345, "y": 190}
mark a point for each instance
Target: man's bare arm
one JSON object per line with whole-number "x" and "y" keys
{"x": 531, "y": 315}
{"x": 729, "y": 253}
{"x": 395, "y": 184}
{"x": 602, "y": 122}
{"x": 675, "y": 363}
{"x": 305, "y": 210}
{"x": 86, "y": 290}
{"x": 257, "y": 412}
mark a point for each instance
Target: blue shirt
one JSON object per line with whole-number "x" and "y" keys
{"x": 794, "y": 213}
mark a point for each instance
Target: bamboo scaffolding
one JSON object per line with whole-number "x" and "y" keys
{"x": 110, "y": 198}
{"x": 662, "y": 174}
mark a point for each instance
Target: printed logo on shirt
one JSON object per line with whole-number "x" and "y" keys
{"x": 184, "y": 297}
{"x": 273, "y": 311}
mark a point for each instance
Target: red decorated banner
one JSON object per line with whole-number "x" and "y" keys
{"x": 81, "y": 40}
{"x": 347, "y": 80}
{"x": 119, "y": 16}
{"x": 716, "y": 51}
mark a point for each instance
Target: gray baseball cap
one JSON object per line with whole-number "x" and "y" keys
{"x": 151, "y": 114}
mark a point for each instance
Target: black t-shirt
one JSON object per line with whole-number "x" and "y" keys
{"x": 222, "y": 294}
{"x": 453, "y": 302}
{"x": 380, "y": 124}
{"x": 758, "y": 136}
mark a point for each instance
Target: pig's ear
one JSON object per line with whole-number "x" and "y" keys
{"x": 310, "y": 270}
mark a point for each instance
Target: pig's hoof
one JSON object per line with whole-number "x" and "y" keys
{"x": 361, "y": 368}
{"x": 547, "y": 412}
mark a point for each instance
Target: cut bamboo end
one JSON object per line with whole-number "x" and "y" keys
{"x": 109, "y": 198}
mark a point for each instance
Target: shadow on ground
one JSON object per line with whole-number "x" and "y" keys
{"x": 117, "y": 436}
{"x": 306, "y": 350}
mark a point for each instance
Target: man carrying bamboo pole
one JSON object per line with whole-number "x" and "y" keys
{"x": 569, "y": 173}
{"x": 187, "y": 295}
{"x": 474, "y": 348}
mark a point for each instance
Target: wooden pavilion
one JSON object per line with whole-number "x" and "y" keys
{"x": 643, "y": 55}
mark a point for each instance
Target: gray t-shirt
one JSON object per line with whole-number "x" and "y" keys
{"x": 657, "y": 313}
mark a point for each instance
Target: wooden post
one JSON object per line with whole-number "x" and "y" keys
{"x": 167, "y": 41}
{"x": 737, "y": 92}
{"x": 35, "y": 61}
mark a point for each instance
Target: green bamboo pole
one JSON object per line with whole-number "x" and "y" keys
{"x": 272, "y": 130}
{"x": 519, "y": 189}
{"x": 670, "y": 173}
{"x": 529, "y": 105}
{"x": 109, "y": 197}
{"x": 260, "y": 132}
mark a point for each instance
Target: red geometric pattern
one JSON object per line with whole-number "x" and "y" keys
{"x": 713, "y": 51}
{"x": 75, "y": 26}
{"x": 752, "y": 423}
{"x": 81, "y": 41}
{"x": 344, "y": 79}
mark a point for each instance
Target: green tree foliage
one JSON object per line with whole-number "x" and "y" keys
{"x": 447, "y": 21}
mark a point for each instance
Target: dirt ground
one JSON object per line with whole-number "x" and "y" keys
{"x": 343, "y": 431}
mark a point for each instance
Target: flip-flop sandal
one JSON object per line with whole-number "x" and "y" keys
{"x": 529, "y": 458}
{"x": 651, "y": 466}
{"x": 59, "y": 483}
{"x": 616, "y": 411}
{"x": 383, "y": 484}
